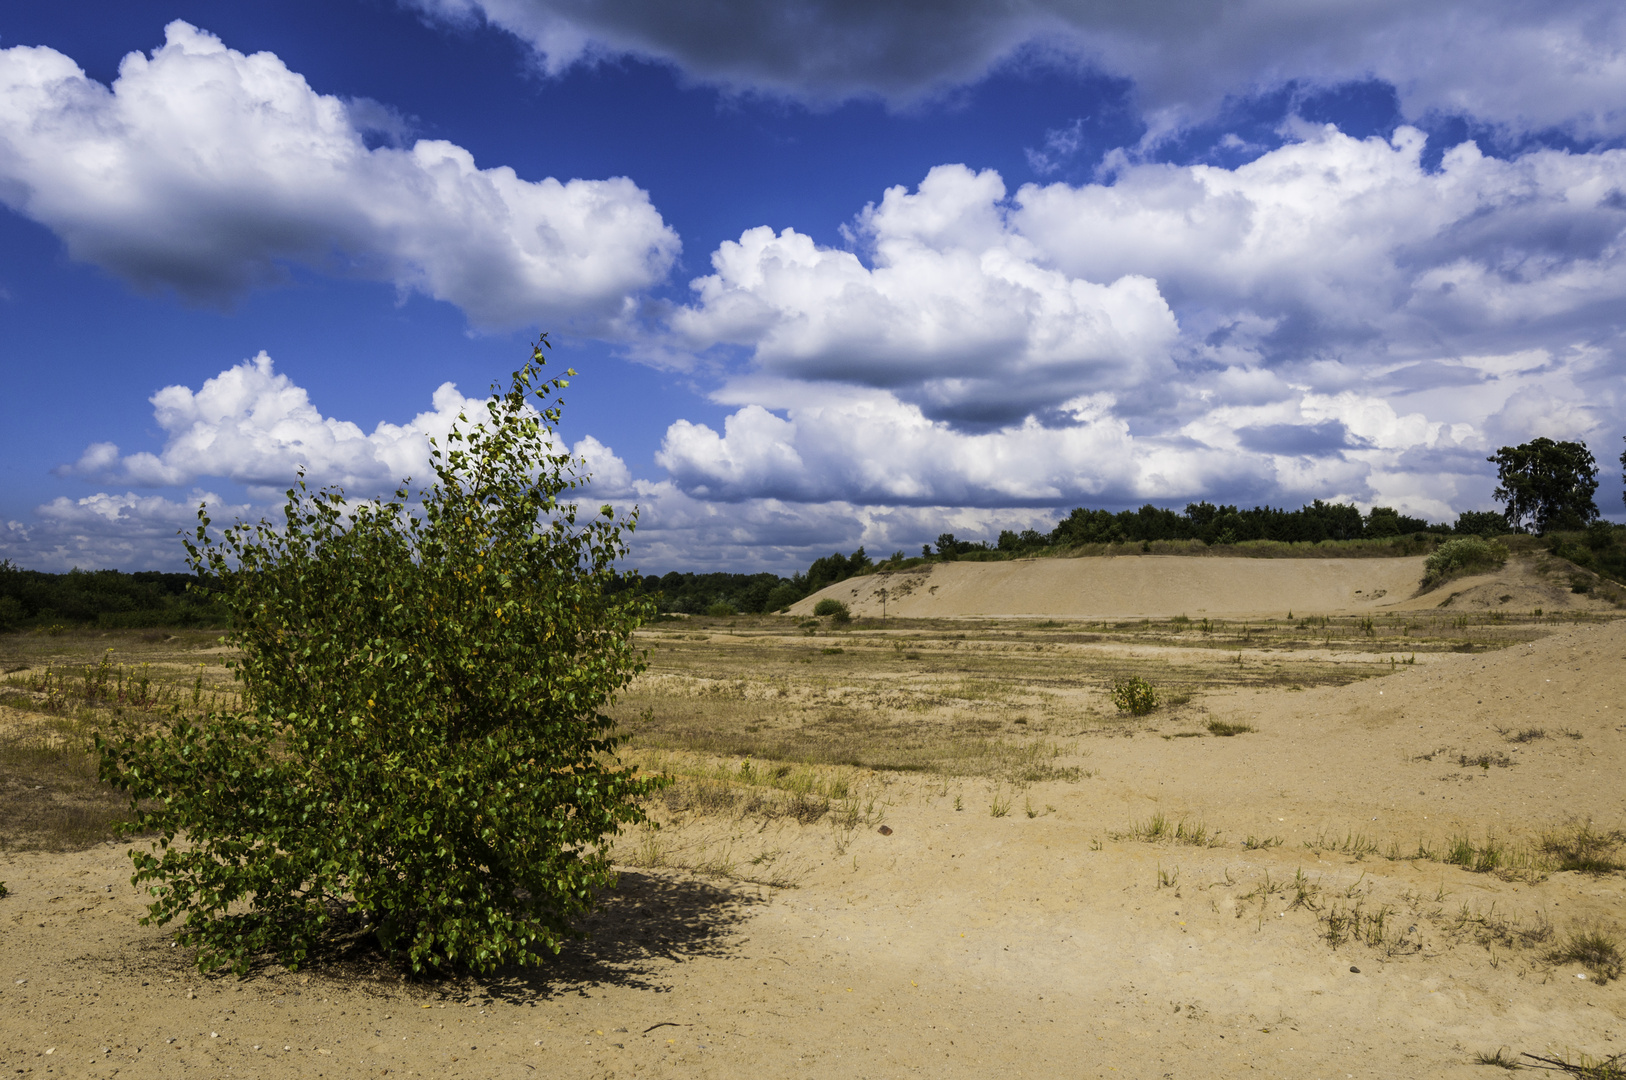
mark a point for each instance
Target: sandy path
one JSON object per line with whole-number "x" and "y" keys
{"x": 964, "y": 944}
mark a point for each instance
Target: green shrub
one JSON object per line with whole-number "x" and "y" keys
{"x": 832, "y": 608}
{"x": 425, "y": 757}
{"x": 1134, "y": 695}
{"x": 722, "y": 609}
{"x": 1463, "y": 555}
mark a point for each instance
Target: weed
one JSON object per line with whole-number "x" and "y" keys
{"x": 1259, "y": 843}
{"x": 1581, "y": 849}
{"x": 1157, "y": 829}
{"x": 1356, "y": 845}
{"x": 1594, "y": 949}
{"x": 1501, "y": 1059}
{"x": 1000, "y": 806}
{"x": 1527, "y": 735}
{"x": 1485, "y": 761}
{"x": 1221, "y": 727}
{"x": 1168, "y": 879}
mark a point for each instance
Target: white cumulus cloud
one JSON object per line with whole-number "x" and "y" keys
{"x": 956, "y": 312}
{"x": 254, "y": 426}
{"x": 207, "y": 171}
{"x": 257, "y": 427}
{"x": 108, "y": 530}
{"x": 1332, "y": 319}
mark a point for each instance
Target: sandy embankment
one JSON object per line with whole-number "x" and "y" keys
{"x": 1168, "y": 585}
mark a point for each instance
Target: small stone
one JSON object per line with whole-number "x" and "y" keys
{"x": 885, "y": 830}
{"x": 1355, "y": 969}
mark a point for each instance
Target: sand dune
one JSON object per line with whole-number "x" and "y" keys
{"x": 1166, "y": 585}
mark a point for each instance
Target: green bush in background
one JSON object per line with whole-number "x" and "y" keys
{"x": 1464, "y": 555}
{"x": 832, "y": 608}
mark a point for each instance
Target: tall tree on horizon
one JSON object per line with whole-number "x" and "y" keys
{"x": 1548, "y": 483}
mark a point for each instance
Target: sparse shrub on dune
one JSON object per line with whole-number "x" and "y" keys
{"x": 1463, "y": 555}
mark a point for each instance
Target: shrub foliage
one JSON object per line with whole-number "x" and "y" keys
{"x": 1134, "y": 695}
{"x": 832, "y": 608}
{"x": 424, "y": 755}
{"x": 1464, "y": 555}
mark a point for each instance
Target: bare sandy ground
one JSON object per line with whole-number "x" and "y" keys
{"x": 967, "y": 945}
{"x": 1168, "y": 585}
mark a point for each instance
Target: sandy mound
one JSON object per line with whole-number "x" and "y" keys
{"x": 1166, "y": 585}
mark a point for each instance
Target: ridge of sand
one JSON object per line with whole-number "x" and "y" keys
{"x": 1154, "y": 586}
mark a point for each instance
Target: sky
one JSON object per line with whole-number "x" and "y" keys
{"x": 830, "y": 274}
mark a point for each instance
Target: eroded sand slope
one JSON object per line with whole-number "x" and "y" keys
{"x": 1167, "y": 585}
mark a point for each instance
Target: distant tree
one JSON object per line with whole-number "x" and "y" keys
{"x": 1549, "y": 484}
{"x": 783, "y": 596}
{"x": 1480, "y": 523}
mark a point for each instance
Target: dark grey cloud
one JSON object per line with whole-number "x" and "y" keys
{"x": 1310, "y": 440}
{"x": 1517, "y": 65}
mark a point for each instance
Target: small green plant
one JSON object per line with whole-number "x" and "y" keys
{"x": 1168, "y": 879}
{"x": 1134, "y": 695}
{"x": 427, "y": 760}
{"x": 832, "y": 609}
{"x": 1000, "y": 806}
{"x": 1224, "y": 728}
{"x": 1259, "y": 843}
{"x": 722, "y": 609}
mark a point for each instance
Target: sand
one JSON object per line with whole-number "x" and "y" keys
{"x": 1167, "y": 585}
{"x": 968, "y": 945}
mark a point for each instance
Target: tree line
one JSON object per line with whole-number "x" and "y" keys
{"x": 111, "y": 599}
{"x": 1545, "y": 486}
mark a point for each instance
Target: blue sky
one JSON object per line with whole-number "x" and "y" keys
{"x": 830, "y": 275}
